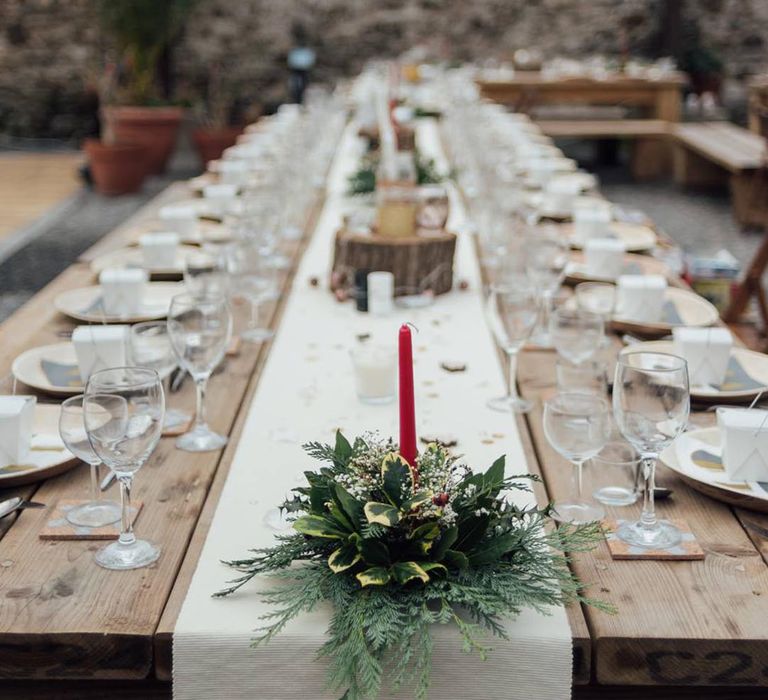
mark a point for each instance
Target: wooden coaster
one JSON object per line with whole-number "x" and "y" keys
{"x": 176, "y": 430}
{"x": 688, "y": 550}
{"x": 58, "y": 528}
{"x": 234, "y": 346}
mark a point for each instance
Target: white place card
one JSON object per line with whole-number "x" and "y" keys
{"x": 100, "y": 347}
{"x": 17, "y": 414}
{"x": 122, "y": 290}
{"x": 640, "y": 297}
{"x": 707, "y": 352}
{"x": 744, "y": 436}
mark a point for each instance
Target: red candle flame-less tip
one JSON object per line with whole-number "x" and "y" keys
{"x": 407, "y": 405}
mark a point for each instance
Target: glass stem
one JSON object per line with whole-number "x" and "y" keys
{"x": 546, "y": 311}
{"x": 127, "y": 537}
{"x": 512, "y": 376}
{"x": 648, "y": 518}
{"x": 94, "y": 482}
{"x": 200, "y": 385}
{"x": 254, "y": 321}
{"x": 579, "y": 477}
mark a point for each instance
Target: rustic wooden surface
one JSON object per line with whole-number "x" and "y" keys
{"x": 662, "y": 98}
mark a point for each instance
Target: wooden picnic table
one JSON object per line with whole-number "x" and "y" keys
{"x": 69, "y": 629}
{"x": 660, "y": 97}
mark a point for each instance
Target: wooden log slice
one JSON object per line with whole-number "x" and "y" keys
{"x": 419, "y": 263}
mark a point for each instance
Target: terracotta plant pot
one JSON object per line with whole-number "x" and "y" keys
{"x": 116, "y": 168}
{"x": 210, "y": 143}
{"x": 156, "y": 128}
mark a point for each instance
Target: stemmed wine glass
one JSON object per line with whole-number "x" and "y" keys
{"x": 577, "y": 426}
{"x": 200, "y": 328}
{"x": 512, "y": 311}
{"x": 149, "y": 345}
{"x": 97, "y": 512}
{"x": 651, "y": 403}
{"x": 256, "y": 281}
{"x": 123, "y": 410}
{"x": 545, "y": 262}
{"x": 205, "y": 273}
{"x": 576, "y": 334}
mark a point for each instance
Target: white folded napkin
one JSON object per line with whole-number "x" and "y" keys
{"x": 744, "y": 436}
{"x": 591, "y": 218}
{"x": 180, "y": 218}
{"x": 707, "y": 352}
{"x": 640, "y": 297}
{"x": 47, "y": 442}
{"x": 100, "y": 347}
{"x": 122, "y": 289}
{"x": 17, "y": 414}
{"x": 604, "y": 257}
{"x": 159, "y": 250}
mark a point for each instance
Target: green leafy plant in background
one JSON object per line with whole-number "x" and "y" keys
{"x": 143, "y": 30}
{"x": 363, "y": 180}
{"x": 396, "y": 550}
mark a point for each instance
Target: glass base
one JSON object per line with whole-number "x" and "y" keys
{"x": 257, "y": 335}
{"x": 540, "y": 339}
{"x": 174, "y": 418}
{"x": 663, "y": 536}
{"x": 577, "y": 512}
{"x": 615, "y": 496}
{"x": 201, "y": 439}
{"x": 94, "y": 514}
{"x": 507, "y": 404}
{"x": 120, "y": 557}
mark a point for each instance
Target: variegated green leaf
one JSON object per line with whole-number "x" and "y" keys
{"x": 416, "y": 501}
{"x": 433, "y": 566}
{"x": 405, "y": 571}
{"x": 381, "y": 513}
{"x": 396, "y": 478}
{"x": 318, "y": 526}
{"x": 343, "y": 558}
{"x": 375, "y": 576}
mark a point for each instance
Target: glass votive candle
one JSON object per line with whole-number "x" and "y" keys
{"x": 615, "y": 473}
{"x": 587, "y": 377}
{"x": 597, "y": 297}
{"x": 375, "y": 369}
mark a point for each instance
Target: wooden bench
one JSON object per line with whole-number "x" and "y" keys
{"x": 713, "y": 153}
{"x": 650, "y": 148}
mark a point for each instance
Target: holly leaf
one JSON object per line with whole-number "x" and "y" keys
{"x": 375, "y": 576}
{"x": 381, "y": 513}
{"x": 373, "y": 552}
{"x": 455, "y": 560}
{"x": 471, "y": 531}
{"x": 349, "y": 504}
{"x": 343, "y": 558}
{"x": 416, "y": 501}
{"x": 396, "y": 477}
{"x": 494, "y": 478}
{"x": 319, "y": 526}
{"x": 342, "y": 449}
{"x": 405, "y": 571}
{"x": 444, "y": 542}
{"x": 493, "y": 550}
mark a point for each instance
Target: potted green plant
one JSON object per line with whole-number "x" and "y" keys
{"x": 217, "y": 114}
{"x": 143, "y": 30}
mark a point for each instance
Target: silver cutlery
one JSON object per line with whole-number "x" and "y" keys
{"x": 106, "y": 482}
{"x": 11, "y": 505}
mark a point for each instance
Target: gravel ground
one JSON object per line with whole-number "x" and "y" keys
{"x": 700, "y": 223}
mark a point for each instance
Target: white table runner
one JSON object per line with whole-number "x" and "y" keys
{"x": 305, "y": 393}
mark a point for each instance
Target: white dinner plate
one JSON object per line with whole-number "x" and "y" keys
{"x": 696, "y": 457}
{"x": 635, "y": 237}
{"x": 132, "y": 257}
{"x": 28, "y": 368}
{"x": 683, "y": 308}
{"x": 746, "y": 378}
{"x": 84, "y": 304}
{"x": 48, "y": 456}
{"x": 576, "y": 271}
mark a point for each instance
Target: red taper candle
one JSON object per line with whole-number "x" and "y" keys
{"x": 407, "y": 404}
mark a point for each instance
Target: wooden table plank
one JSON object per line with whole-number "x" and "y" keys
{"x": 697, "y": 623}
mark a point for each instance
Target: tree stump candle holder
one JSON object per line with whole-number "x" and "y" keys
{"x": 419, "y": 263}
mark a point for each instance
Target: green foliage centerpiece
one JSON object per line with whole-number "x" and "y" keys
{"x": 396, "y": 549}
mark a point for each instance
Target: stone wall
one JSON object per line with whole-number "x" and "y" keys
{"x": 52, "y": 51}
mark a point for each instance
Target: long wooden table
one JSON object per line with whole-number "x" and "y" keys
{"x": 69, "y": 629}
{"x": 527, "y": 89}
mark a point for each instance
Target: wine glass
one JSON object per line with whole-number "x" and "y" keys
{"x": 597, "y": 297}
{"x": 97, "y": 512}
{"x": 200, "y": 328}
{"x": 651, "y": 403}
{"x": 577, "y": 425}
{"x": 149, "y": 345}
{"x": 546, "y": 257}
{"x": 512, "y": 311}
{"x": 576, "y": 334}
{"x": 256, "y": 281}
{"x": 123, "y": 411}
{"x": 205, "y": 273}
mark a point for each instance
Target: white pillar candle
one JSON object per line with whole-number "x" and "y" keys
{"x": 17, "y": 415}
{"x": 159, "y": 250}
{"x": 122, "y": 289}
{"x": 375, "y": 370}
{"x": 381, "y": 293}
{"x": 604, "y": 257}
